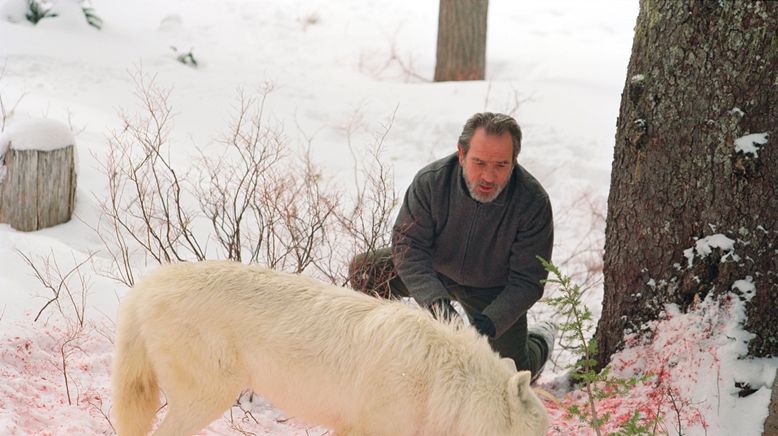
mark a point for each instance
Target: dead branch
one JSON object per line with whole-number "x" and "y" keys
{"x": 393, "y": 59}
{"x": 364, "y": 223}
{"x": 510, "y": 107}
{"x": 50, "y": 275}
{"x": 7, "y": 111}
{"x": 97, "y": 403}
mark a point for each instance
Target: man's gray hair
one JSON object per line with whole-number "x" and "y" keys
{"x": 495, "y": 124}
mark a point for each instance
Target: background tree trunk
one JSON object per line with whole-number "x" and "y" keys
{"x": 771, "y": 423}
{"x": 39, "y": 188}
{"x": 702, "y": 75}
{"x": 461, "y": 53}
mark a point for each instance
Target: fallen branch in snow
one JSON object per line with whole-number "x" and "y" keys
{"x": 236, "y": 425}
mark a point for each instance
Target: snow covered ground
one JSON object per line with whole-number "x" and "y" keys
{"x": 340, "y": 70}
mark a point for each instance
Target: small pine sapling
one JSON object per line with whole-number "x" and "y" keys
{"x": 91, "y": 15}
{"x": 38, "y": 10}
{"x": 575, "y": 337}
{"x": 185, "y": 58}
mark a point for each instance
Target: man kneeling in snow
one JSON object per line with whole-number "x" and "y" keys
{"x": 470, "y": 228}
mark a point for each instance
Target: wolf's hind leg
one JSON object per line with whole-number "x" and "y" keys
{"x": 191, "y": 410}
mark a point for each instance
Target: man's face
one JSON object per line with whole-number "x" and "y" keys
{"x": 487, "y": 165}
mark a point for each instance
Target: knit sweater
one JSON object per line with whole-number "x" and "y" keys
{"x": 441, "y": 229}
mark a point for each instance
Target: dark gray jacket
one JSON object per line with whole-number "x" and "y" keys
{"x": 441, "y": 230}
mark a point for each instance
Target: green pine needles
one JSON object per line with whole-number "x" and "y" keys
{"x": 575, "y": 336}
{"x": 40, "y": 9}
{"x": 90, "y": 15}
{"x": 187, "y": 58}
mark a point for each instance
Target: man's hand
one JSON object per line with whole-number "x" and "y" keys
{"x": 484, "y": 325}
{"x": 443, "y": 310}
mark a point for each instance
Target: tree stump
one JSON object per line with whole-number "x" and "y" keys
{"x": 38, "y": 181}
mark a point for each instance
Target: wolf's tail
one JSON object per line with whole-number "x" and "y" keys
{"x": 135, "y": 392}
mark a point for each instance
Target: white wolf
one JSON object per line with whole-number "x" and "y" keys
{"x": 202, "y": 332}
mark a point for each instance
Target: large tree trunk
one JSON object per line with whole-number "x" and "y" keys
{"x": 702, "y": 77}
{"x": 461, "y": 53}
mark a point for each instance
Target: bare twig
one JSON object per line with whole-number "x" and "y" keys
{"x": 7, "y": 111}
{"x": 51, "y": 277}
{"x": 65, "y": 351}
{"x": 510, "y": 107}
{"x": 364, "y": 223}
{"x": 393, "y": 59}
{"x": 97, "y": 403}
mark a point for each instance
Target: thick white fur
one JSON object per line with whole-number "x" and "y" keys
{"x": 330, "y": 356}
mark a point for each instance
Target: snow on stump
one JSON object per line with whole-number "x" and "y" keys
{"x": 37, "y": 175}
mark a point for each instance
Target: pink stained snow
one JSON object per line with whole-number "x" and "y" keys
{"x": 339, "y": 69}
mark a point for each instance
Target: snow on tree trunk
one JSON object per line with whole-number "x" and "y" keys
{"x": 461, "y": 52}
{"x": 37, "y": 175}
{"x": 693, "y": 203}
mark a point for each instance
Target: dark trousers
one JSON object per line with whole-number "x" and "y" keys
{"x": 374, "y": 273}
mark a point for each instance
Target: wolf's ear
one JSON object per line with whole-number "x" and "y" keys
{"x": 518, "y": 385}
{"x": 508, "y": 363}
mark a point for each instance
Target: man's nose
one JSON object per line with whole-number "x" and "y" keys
{"x": 488, "y": 175}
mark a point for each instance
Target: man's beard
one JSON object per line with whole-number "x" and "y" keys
{"x": 480, "y": 197}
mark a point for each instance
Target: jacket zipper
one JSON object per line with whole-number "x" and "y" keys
{"x": 467, "y": 240}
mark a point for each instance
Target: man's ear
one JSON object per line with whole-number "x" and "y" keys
{"x": 461, "y": 154}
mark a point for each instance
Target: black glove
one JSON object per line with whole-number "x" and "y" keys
{"x": 484, "y": 325}
{"x": 443, "y": 310}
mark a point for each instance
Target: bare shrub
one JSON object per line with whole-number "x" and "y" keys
{"x": 252, "y": 193}
{"x": 300, "y": 208}
{"x": 235, "y": 178}
{"x": 69, "y": 291}
{"x": 145, "y": 206}
{"x": 365, "y": 219}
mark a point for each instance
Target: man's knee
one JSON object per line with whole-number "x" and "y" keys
{"x": 373, "y": 273}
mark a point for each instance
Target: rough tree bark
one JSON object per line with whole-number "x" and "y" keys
{"x": 703, "y": 76}
{"x": 39, "y": 188}
{"x": 461, "y": 52}
{"x": 771, "y": 423}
